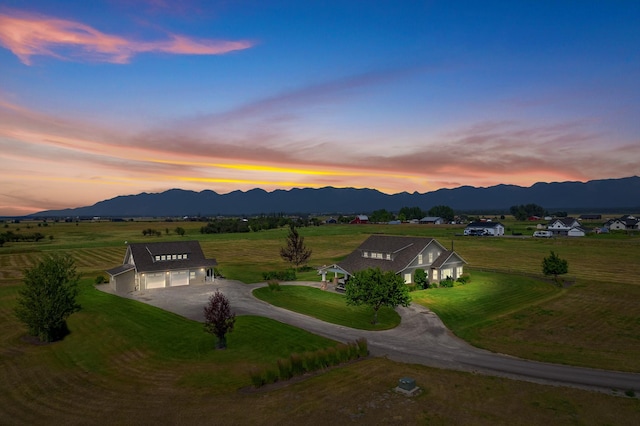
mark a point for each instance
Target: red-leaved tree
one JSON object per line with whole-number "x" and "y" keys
{"x": 219, "y": 320}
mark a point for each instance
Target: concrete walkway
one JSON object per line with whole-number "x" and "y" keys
{"x": 421, "y": 337}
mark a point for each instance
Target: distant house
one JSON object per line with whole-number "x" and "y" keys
{"x": 161, "y": 264}
{"x": 566, "y": 226}
{"x": 331, "y": 220}
{"x": 576, "y": 231}
{"x": 403, "y": 256}
{"x": 432, "y": 220}
{"x": 361, "y": 218}
{"x": 484, "y": 228}
{"x": 623, "y": 223}
{"x": 590, "y": 217}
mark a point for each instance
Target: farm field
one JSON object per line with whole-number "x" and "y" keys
{"x": 129, "y": 362}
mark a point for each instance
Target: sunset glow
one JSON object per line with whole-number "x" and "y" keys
{"x": 110, "y": 98}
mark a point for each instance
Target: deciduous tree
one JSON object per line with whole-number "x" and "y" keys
{"x": 295, "y": 252}
{"x": 554, "y": 265}
{"x": 48, "y": 297}
{"x": 219, "y": 320}
{"x": 375, "y": 288}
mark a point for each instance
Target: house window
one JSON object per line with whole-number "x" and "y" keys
{"x": 184, "y": 256}
{"x": 388, "y": 256}
{"x": 174, "y": 257}
{"x": 157, "y": 258}
{"x": 459, "y": 271}
{"x": 430, "y": 257}
{"x": 420, "y": 259}
{"x": 192, "y": 275}
{"x": 163, "y": 257}
{"x": 365, "y": 254}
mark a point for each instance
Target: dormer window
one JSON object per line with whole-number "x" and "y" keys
{"x": 365, "y": 254}
{"x": 388, "y": 256}
{"x": 157, "y": 258}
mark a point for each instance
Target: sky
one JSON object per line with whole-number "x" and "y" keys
{"x": 104, "y": 98}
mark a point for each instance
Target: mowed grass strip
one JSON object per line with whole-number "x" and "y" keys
{"x": 328, "y": 307}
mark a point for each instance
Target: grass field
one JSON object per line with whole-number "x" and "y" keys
{"x": 329, "y": 307}
{"x": 126, "y": 362}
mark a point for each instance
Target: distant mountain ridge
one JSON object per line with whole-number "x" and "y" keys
{"x": 595, "y": 195}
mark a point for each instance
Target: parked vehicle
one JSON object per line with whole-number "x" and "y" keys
{"x": 543, "y": 234}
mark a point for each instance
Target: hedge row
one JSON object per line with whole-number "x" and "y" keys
{"x": 308, "y": 362}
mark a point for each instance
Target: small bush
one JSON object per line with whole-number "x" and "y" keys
{"x": 297, "y": 364}
{"x": 270, "y": 376}
{"x": 630, "y": 393}
{"x": 284, "y": 369}
{"x": 311, "y": 361}
{"x": 363, "y": 347}
{"x": 274, "y": 285}
{"x": 257, "y": 378}
{"x": 464, "y": 278}
{"x": 447, "y": 282}
{"x": 100, "y": 279}
{"x": 412, "y": 287}
{"x": 433, "y": 285}
{"x": 342, "y": 352}
{"x": 287, "y": 275}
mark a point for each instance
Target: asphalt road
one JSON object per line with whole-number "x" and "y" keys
{"x": 421, "y": 338}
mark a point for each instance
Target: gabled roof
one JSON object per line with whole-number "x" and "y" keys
{"x": 403, "y": 250}
{"x": 120, "y": 269}
{"x": 144, "y": 256}
{"x": 431, "y": 219}
{"x": 444, "y": 257}
{"x": 566, "y": 221}
{"x": 484, "y": 224}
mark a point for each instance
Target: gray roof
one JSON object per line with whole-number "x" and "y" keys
{"x": 402, "y": 249}
{"x": 484, "y": 224}
{"x": 120, "y": 269}
{"x": 144, "y": 256}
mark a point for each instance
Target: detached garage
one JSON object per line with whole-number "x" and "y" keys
{"x": 162, "y": 264}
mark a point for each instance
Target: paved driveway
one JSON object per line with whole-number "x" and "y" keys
{"x": 421, "y": 337}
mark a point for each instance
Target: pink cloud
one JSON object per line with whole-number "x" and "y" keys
{"x": 29, "y": 35}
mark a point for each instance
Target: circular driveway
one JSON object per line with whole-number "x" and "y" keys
{"x": 421, "y": 338}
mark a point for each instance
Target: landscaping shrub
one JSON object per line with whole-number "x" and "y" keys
{"x": 447, "y": 282}
{"x": 311, "y": 361}
{"x": 286, "y": 275}
{"x": 363, "y": 347}
{"x": 100, "y": 279}
{"x": 257, "y": 378}
{"x": 284, "y": 369}
{"x": 274, "y": 285}
{"x": 464, "y": 278}
{"x": 297, "y": 364}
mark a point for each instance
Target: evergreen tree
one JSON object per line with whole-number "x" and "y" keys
{"x": 295, "y": 252}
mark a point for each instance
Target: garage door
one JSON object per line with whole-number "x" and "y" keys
{"x": 179, "y": 278}
{"x": 155, "y": 280}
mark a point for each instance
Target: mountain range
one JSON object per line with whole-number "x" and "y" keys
{"x": 592, "y": 196}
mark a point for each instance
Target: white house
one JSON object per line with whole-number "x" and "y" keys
{"x": 562, "y": 226}
{"x": 484, "y": 228}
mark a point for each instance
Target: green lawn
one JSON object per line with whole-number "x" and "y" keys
{"x": 488, "y": 296}
{"x": 327, "y": 306}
